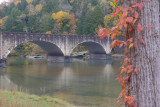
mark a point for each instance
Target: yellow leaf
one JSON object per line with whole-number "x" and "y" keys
{"x": 71, "y": 1}
{"x": 17, "y": 2}
{"x": 48, "y": 32}
{"x": 131, "y": 45}
{"x": 29, "y": 1}
{"x": 61, "y": 16}
{"x": 2, "y": 22}
{"x": 39, "y": 7}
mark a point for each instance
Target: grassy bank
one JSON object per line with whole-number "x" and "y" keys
{"x": 17, "y": 99}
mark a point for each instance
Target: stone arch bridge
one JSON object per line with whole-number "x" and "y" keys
{"x": 53, "y": 44}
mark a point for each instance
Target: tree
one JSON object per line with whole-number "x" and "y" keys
{"x": 65, "y": 22}
{"x": 90, "y": 21}
{"x": 51, "y": 6}
{"x": 94, "y": 2}
{"x": 11, "y": 24}
{"x": 140, "y": 71}
{"x": 46, "y": 23}
{"x": 146, "y": 85}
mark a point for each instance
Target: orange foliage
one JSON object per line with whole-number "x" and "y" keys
{"x": 39, "y": 7}
{"x": 49, "y": 32}
{"x": 2, "y": 21}
{"x": 29, "y": 1}
{"x": 17, "y": 2}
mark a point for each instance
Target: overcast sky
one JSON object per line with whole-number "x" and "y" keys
{"x": 2, "y": 1}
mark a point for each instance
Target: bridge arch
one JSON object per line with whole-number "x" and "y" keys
{"x": 93, "y": 47}
{"x": 51, "y": 49}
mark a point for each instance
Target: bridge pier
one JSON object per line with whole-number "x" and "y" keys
{"x": 3, "y": 63}
{"x": 100, "y": 56}
{"x": 58, "y": 59}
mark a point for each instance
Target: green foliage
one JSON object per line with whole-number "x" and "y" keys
{"x": 24, "y": 16}
{"x": 35, "y": 16}
{"x": 51, "y": 6}
{"x": 90, "y": 21}
{"x": 94, "y": 2}
{"x": 46, "y": 23}
{"x": 23, "y": 49}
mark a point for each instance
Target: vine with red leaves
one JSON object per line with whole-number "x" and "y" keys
{"x": 127, "y": 22}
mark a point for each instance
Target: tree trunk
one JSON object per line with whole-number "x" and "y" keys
{"x": 145, "y": 87}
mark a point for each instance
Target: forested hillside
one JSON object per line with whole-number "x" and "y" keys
{"x": 55, "y": 16}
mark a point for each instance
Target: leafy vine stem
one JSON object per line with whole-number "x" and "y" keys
{"x": 127, "y": 22}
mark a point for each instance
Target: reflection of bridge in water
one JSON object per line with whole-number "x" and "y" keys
{"x": 64, "y": 78}
{"x": 55, "y": 45}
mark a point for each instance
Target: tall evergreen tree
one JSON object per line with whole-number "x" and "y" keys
{"x": 90, "y": 22}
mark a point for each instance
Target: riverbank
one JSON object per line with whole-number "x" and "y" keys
{"x": 18, "y": 99}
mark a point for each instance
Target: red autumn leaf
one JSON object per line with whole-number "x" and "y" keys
{"x": 130, "y": 100}
{"x": 129, "y": 60}
{"x": 114, "y": 43}
{"x": 123, "y": 85}
{"x": 123, "y": 70}
{"x": 134, "y": 106}
{"x": 113, "y": 37}
{"x": 136, "y": 14}
{"x": 149, "y": 27}
{"x": 120, "y": 96}
{"x": 129, "y": 71}
{"x": 135, "y": 45}
{"x": 134, "y": 21}
{"x": 130, "y": 40}
{"x": 136, "y": 70}
{"x": 112, "y": 46}
{"x": 133, "y": 2}
{"x": 126, "y": 59}
{"x": 130, "y": 66}
{"x": 117, "y": 42}
{"x": 124, "y": 99}
{"x": 125, "y": 52}
{"x": 130, "y": 29}
{"x": 140, "y": 5}
{"x": 124, "y": 14}
{"x": 130, "y": 8}
{"x": 118, "y": 101}
{"x": 123, "y": 92}
{"x": 136, "y": 5}
{"x": 120, "y": 46}
{"x": 142, "y": 41}
{"x": 129, "y": 19}
{"x": 125, "y": 10}
{"x": 139, "y": 27}
{"x": 119, "y": 79}
{"x": 126, "y": 79}
{"x": 125, "y": 43}
{"x": 125, "y": 25}
{"x": 108, "y": 33}
{"x": 117, "y": 10}
{"x": 114, "y": 28}
{"x": 104, "y": 35}
{"x": 148, "y": 1}
{"x": 101, "y": 31}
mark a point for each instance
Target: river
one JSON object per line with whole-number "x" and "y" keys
{"x": 88, "y": 83}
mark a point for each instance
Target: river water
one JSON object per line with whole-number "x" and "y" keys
{"x": 84, "y": 83}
